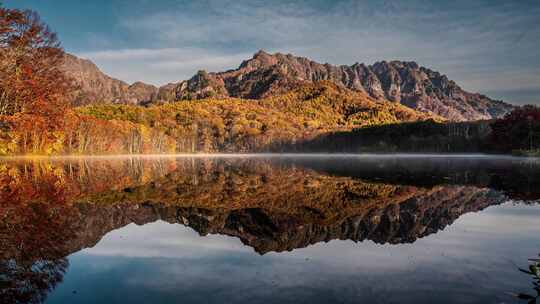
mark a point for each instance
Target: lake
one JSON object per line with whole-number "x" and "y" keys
{"x": 269, "y": 229}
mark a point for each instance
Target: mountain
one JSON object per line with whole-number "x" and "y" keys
{"x": 267, "y": 75}
{"x": 407, "y": 83}
{"x": 93, "y": 86}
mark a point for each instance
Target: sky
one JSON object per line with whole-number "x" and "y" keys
{"x": 486, "y": 46}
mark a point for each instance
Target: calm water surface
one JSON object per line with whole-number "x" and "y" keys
{"x": 269, "y": 229}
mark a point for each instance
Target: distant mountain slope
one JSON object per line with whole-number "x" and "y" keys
{"x": 405, "y": 82}
{"x": 93, "y": 86}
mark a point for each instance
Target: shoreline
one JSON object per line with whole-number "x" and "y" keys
{"x": 275, "y": 155}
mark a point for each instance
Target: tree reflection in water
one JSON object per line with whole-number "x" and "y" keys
{"x": 30, "y": 282}
{"x": 32, "y": 258}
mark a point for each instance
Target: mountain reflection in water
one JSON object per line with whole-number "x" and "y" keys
{"x": 51, "y": 209}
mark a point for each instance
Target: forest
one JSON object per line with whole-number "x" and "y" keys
{"x": 36, "y": 117}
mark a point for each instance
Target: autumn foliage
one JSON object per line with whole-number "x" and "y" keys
{"x": 33, "y": 89}
{"x": 243, "y": 125}
{"x": 31, "y": 81}
{"x": 518, "y": 130}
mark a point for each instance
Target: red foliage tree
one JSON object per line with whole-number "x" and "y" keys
{"x": 31, "y": 80}
{"x": 519, "y": 129}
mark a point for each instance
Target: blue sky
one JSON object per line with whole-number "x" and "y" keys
{"x": 486, "y": 46}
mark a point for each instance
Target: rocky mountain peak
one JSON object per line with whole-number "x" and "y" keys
{"x": 261, "y": 59}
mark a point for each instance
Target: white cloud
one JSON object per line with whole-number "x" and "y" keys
{"x": 160, "y": 66}
{"x": 477, "y": 45}
{"x": 134, "y": 54}
{"x": 210, "y": 63}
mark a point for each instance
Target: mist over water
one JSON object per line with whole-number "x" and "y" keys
{"x": 268, "y": 228}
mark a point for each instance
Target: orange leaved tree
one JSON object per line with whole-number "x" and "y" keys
{"x": 33, "y": 88}
{"x": 31, "y": 80}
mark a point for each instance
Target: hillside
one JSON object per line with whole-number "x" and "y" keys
{"x": 241, "y": 125}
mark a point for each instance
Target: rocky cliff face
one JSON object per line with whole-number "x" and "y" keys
{"x": 93, "y": 86}
{"x": 405, "y": 82}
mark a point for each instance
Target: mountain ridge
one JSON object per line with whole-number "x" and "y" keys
{"x": 266, "y": 75}
{"x": 93, "y": 86}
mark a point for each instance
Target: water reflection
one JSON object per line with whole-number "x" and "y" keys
{"x": 53, "y": 208}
